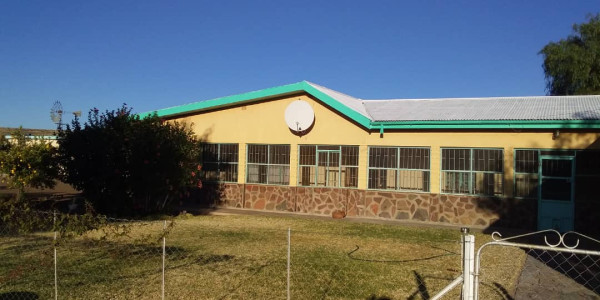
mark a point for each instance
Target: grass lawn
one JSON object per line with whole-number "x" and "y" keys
{"x": 245, "y": 257}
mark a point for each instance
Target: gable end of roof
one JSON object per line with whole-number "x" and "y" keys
{"x": 539, "y": 112}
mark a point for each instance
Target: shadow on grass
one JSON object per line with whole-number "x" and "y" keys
{"x": 106, "y": 262}
{"x": 501, "y": 291}
{"x": 19, "y": 295}
{"x": 448, "y": 253}
{"x": 421, "y": 288}
{"x": 242, "y": 282}
{"x": 30, "y": 243}
{"x": 334, "y": 272}
{"x": 375, "y": 297}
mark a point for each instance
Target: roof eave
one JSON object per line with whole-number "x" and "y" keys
{"x": 343, "y": 109}
{"x": 257, "y": 96}
{"x": 248, "y": 97}
{"x": 487, "y": 124}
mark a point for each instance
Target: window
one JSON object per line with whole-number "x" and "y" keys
{"x": 399, "y": 168}
{"x": 269, "y": 164}
{"x": 587, "y": 175}
{"x": 472, "y": 171}
{"x": 333, "y": 166}
{"x": 526, "y": 173}
{"x": 587, "y": 172}
{"x": 219, "y": 162}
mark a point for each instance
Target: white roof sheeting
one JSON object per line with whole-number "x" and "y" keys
{"x": 493, "y": 108}
{"x": 502, "y": 108}
{"x": 349, "y": 101}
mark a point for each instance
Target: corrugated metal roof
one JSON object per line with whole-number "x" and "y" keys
{"x": 349, "y": 101}
{"x": 501, "y": 108}
{"x": 494, "y": 112}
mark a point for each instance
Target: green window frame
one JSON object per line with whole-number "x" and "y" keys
{"x": 219, "y": 162}
{"x": 526, "y": 176}
{"x": 587, "y": 172}
{"x": 472, "y": 171}
{"x": 399, "y": 168}
{"x": 328, "y": 165}
{"x": 268, "y": 164}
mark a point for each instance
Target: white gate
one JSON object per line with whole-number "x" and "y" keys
{"x": 571, "y": 254}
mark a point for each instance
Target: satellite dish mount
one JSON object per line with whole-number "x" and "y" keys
{"x": 299, "y": 117}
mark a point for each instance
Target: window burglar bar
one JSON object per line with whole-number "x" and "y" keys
{"x": 399, "y": 168}
{"x": 328, "y": 165}
{"x": 219, "y": 162}
{"x": 526, "y": 173}
{"x": 587, "y": 172}
{"x": 269, "y": 164}
{"x": 472, "y": 171}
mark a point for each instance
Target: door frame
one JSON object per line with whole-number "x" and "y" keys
{"x": 571, "y": 158}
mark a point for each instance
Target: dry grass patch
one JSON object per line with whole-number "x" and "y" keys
{"x": 245, "y": 257}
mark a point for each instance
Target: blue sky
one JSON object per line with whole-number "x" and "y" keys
{"x": 156, "y": 54}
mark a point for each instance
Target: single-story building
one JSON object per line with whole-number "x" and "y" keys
{"x": 527, "y": 162}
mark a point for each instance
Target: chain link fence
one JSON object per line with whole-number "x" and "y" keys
{"x": 563, "y": 268}
{"x": 219, "y": 257}
{"x": 551, "y": 266}
{"x": 27, "y": 261}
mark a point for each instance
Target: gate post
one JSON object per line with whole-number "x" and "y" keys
{"x": 468, "y": 255}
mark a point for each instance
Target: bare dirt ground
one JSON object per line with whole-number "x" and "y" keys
{"x": 61, "y": 190}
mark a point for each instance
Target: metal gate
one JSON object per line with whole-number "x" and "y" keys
{"x": 573, "y": 259}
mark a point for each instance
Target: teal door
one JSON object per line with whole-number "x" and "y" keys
{"x": 556, "y": 193}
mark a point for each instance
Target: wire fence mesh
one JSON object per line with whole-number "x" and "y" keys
{"x": 27, "y": 261}
{"x": 245, "y": 257}
{"x": 583, "y": 269}
{"x": 547, "y": 270}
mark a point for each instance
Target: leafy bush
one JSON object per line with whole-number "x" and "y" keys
{"x": 27, "y": 162}
{"x": 128, "y": 166}
{"x": 24, "y": 162}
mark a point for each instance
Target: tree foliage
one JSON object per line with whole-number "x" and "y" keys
{"x": 125, "y": 165}
{"x": 572, "y": 65}
{"x": 26, "y": 162}
{"x": 4, "y": 145}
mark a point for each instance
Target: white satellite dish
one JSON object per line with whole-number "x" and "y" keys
{"x": 299, "y": 116}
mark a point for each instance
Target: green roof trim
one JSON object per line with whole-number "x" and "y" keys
{"x": 224, "y": 101}
{"x": 343, "y": 109}
{"x": 306, "y": 87}
{"x": 489, "y": 124}
{"x": 302, "y": 86}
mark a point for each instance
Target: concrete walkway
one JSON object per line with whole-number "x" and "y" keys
{"x": 538, "y": 281}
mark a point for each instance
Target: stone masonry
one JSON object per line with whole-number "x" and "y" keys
{"x": 451, "y": 209}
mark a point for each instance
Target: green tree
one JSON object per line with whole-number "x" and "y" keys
{"x": 4, "y": 145}
{"x": 572, "y": 65}
{"x": 26, "y": 162}
{"x": 128, "y": 166}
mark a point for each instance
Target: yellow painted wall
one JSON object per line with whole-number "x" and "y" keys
{"x": 264, "y": 123}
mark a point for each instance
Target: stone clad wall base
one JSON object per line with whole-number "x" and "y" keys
{"x": 451, "y": 209}
{"x": 268, "y": 197}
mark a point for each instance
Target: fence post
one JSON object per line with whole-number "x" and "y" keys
{"x": 164, "y": 246}
{"x": 288, "y": 261}
{"x": 55, "y": 257}
{"x": 468, "y": 255}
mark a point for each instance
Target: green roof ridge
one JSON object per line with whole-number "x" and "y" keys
{"x": 366, "y": 122}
